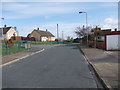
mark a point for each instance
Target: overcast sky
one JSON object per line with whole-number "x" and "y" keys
{"x": 27, "y": 16}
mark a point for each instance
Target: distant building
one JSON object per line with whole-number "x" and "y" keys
{"x": 43, "y": 36}
{"x": 100, "y": 36}
{"x": 8, "y": 32}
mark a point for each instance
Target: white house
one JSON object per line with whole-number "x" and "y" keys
{"x": 8, "y": 32}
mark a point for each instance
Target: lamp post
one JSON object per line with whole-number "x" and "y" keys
{"x": 2, "y": 28}
{"x": 86, "y": 23}
{"x": 57, "y": 32}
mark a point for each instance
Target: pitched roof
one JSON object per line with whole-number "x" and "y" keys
{"x": 106, "y": 30}
{"x": 5, "y": 30}
{"x": 44, "y": 33}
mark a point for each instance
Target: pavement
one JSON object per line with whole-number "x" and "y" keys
{"x": 8, "y": 59}
{"x": 105, "y": 64}
{"x": 19, "y": 55}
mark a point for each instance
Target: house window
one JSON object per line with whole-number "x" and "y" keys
{"x": 99, "y": 37}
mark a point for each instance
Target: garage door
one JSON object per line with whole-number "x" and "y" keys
{"x": 112, "y": 42}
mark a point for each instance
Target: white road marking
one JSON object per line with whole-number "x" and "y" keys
{"x": 13, "y": 61}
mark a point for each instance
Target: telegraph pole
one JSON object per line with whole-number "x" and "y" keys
{"x": 57, "y": 32}
{"x": 62, "y": 35}
{"x": 2, "y": 27}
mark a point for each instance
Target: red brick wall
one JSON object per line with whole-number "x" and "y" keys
{"x": 17, "y": 38}
{"x": 91, "y": 43}
{"x": 23, "y": 38}
{"x": 100, "y": 45}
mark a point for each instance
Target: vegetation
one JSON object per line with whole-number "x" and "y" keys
{"x": 13, "y": 49}
{"x": 42, "y": 43}
{"x": 82, "y": 31}
{"x": 52, "y": 42}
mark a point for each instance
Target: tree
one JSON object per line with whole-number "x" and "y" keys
{"x": 82, "y": 32}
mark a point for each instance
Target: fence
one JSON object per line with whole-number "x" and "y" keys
{"x": 18, "y": 46}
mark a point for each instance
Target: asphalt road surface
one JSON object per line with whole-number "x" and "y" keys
{"x": 57, "y": 67}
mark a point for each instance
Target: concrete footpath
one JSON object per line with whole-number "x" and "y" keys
{"x": 105, "y": 64}
{"x": 19, "y": 55}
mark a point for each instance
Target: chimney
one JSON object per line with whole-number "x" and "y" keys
{"x": 46, "y": 30}
{"x": 37, "y": 28}
{"x": 115, "y": 29}
{"x": 15, "y": 28}
{"x": 5, "y": 26}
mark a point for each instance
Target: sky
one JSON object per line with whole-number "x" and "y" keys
{"x": 27, "y": 16}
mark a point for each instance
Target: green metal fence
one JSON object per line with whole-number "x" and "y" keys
{"x": 18, "y": 46}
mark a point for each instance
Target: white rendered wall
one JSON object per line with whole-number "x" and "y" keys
{"x": 10, "y": 33}
{"x": 43, "y": 39}
{"x": 112, "y": 42}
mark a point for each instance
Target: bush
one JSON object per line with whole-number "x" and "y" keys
{"x": 90, "y": 46}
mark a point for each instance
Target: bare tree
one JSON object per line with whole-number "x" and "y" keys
{"x": 82, "y": 31}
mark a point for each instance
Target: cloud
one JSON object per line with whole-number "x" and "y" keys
{"x": 60, "y": 0}
{"x": 114, "y": 4}
{"x": 67, "y": 28}
{"x": 15, "y": 10}
{"x": 110, "y": 23}
{"x": 26, "y": 10}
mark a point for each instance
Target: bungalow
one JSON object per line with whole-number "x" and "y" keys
{"x": 40, "y": 35}
{"x": 8, "y": 32}
{"x": 96, "y": 39}
{"x": 100, "y": 35}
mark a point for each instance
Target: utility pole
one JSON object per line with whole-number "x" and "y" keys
{"x": 62, "y": 35}
{"x": 2, "y": 27}
{"x": 86, "y": 23}
{"x": 57, "y": 32}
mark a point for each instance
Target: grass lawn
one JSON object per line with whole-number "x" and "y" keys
{"x": 36, "y": 42}
{"x": 12, "y": 50}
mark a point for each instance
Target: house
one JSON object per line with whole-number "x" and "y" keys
{"x": 112, "y": 40}
{"x": 40, "y": 35}
{"x": 8, "y": 32}
{"x": 100, "y": 35}
{"x": 96, "y": 39}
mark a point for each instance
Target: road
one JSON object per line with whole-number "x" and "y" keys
{"x": 57, "y": 67}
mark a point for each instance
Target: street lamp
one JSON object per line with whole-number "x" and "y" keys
{"x": 86, "y": 23}
{"x": 2, "y": 28}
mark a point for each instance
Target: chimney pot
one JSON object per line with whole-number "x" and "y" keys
{"x": 5, "y": 26}
{"x": 115, "y": 29}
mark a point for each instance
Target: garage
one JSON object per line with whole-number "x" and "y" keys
{"x": 112, "y": 40}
